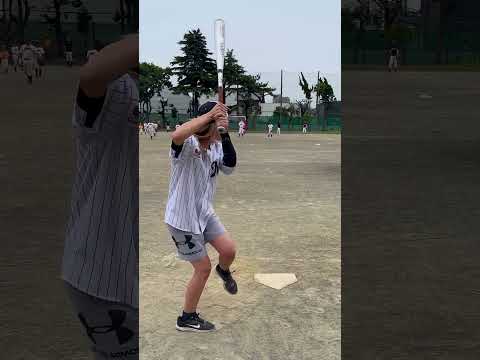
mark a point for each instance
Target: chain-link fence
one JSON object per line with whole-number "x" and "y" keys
{"x": 371, "y": 47}
{"x": 81, "y": 41}
{"x": 289, "y": 98}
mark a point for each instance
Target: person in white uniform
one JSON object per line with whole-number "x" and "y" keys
{"x": 241, "y": 128}
{"x": 29, "y": 59}
{"x": 100, "y": 260}
{"x": 197, "y": 158}
{"x": 40, "y": 61}
{"x": 15, "y": 51}
{"x": 393, "y": 60}
{"x": 270, "y": 130}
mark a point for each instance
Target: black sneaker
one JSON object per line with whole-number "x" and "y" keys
{"x": 194, "y": 323}
{"x": 228, "y": 282}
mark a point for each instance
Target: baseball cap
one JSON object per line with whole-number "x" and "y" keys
{"x": 206, "y": 107}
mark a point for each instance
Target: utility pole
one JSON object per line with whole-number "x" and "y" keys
{"x": 238, "y": 105}
{"x": 281, "y": 95}
{"x": 317, "y": 104}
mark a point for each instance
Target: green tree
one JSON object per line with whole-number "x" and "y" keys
{"x": 173, "y": 111}
{"x": 286, "y": 113}
{"x": 152, "y": 80}
{"x": 362, "y": 15}
{"x": 83, "y": 23}
{"x": 390, "y": 10}
{"x": 233, "y": 73}
{"x": 163, "y": 105}
{"x": 252, "y": 91}
{"x": 326, "y": 95}
{"x": 20, "y": 17}
{"x": 7, "y": 30}
{"x": 304, "y": 105}
{"x": 126, "y": 14}
{"x": 57, "y": 8}
{"x": 400, "y": 34}
{"x": 195, "y": 70}
{"x": 447, "y": 7}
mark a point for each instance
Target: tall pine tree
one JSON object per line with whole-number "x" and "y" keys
{"x": 195, "y": 70}
{"x": 233, "y": 73}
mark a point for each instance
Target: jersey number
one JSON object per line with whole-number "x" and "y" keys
{"x": 214, "y": 169}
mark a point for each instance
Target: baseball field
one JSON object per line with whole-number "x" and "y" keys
{"x": 282, "y": 207}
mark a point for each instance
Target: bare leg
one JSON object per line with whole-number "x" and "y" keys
{"x": 225, "y": 247}
{"x": 201, "y": 271}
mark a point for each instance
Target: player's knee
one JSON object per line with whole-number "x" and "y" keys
{"x": 204, "y": 270}
{"x": 229, "y": 252}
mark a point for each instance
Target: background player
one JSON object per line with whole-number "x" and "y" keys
{"x": 393, "y": 61}
{"x": 304, "y": 128}
{"x": 22, "y": 48}
{"x": 241, "y": 128}
{"x": 15, "y": 51}
{"x": 270, "y": 130}
{"x": 29, "y": 60}
{"x": 150, "y": 130}
{"x": 100, "y": 262}
{"x": 69, "y": 51}
{"x": 4, "y": 56}
{"x": 196, "y": 159}
{"x": 40, "y": 60}
{"x": 278, "y": 127}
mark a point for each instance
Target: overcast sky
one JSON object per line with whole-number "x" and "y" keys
{"x": 266, "y": 35}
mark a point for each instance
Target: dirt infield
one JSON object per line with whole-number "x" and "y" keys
{"x": 36, "y": 167}
{"x": 411, "y": 105}
{"x": 282, "y": 206}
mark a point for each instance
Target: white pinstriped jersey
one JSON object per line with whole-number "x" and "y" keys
{"x": 101, "y": 245}
{"x": 28, "y": 53}
{"x": 193, "y": 176}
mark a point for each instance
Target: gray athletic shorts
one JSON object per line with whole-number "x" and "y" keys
{"x": 113, "y": 328}
{"x": 193, "y": 247}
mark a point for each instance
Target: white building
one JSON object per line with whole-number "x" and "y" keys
{"x": 182, "y": 102}
{"x": 267, "y": 109}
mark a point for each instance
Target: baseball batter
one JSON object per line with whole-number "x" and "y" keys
{"x": 197, "y": 157}
{"x": 100, "y": 262}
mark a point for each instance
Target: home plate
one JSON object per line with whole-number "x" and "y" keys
{"x": 276, "y": 281}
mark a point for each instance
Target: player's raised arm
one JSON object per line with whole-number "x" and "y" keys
{"x": 109, "y": 64}
{"x": 198, "y": 124}
{"x": 229, "y": 160}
